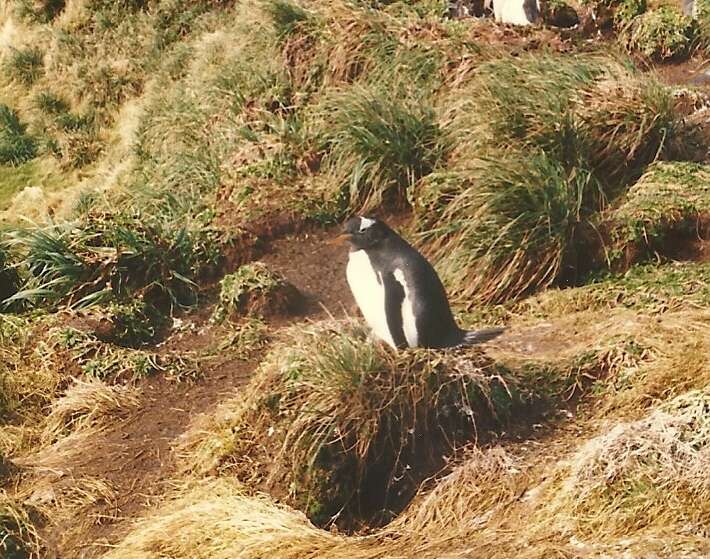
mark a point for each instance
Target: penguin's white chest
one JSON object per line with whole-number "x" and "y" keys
{"x": 369, "y": 292}
{"x": 510, "y": 11}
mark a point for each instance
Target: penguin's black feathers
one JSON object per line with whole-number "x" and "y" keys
{"x": 391, "y": 256}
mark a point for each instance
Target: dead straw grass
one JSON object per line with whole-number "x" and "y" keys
{"x": 87, "y": 403}
{"x": 651, "y": 472}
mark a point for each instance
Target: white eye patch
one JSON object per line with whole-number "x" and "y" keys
{"x": 365, "y": 223}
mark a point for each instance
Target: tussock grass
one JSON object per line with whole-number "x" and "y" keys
{"x": 106, "y": 256}
{"x": 670, "y": 198}
{"x": 16, "y": 146}
{"x": 341, "y": 421}
{"x": 105, "y": 361}
{"x": 629, "y": 122}
{"x": 503, "y": 223}
{"x": 51, "y": 103}
{"x": 239, "y": 526}
{"x": 527, "y": 99}
{"x": 509, "y": 226}
{"x": 87, "y": 403}
{"x": 660, "y": 34}
{"x": 642, "y": 474}
{"x": 40, "y": 11}
{"x": 130, "y": 324}
{"x": 484, "y": 481}
{"x": 25, "y": 65}
{"x": 380, "y": 143}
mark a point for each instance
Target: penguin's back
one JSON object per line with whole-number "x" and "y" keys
{"x": 425, "y": 312}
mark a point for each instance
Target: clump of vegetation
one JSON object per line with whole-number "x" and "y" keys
{"x": 239, "y": 526}
{"x": 351, "y": 427}
{"x": 626, "y": 11}
{"x": 627, "y": 123}
{"x": 50, "y": 103}
{"x": 670, "y": 198}
{"x": 645, "y": 473}
{"x": 381, "y": 143}
{"x": 243, "y": 338}
{"x": 40, "y": 11}
{"x": 511, "y": 224}
{"x": 129, "y": 324}
{"x": 105, "y": 257}
{"x": 254, "y": 289}
{"x": 86, "y": 403}
{"x": 25, "y": 65}
{"x": 18, "y": 536}
{"x": 660, "y": 34}
{"x": 502, "y": 223}
{"x": 16, "y": 146}
{"x": 96, "y": 359}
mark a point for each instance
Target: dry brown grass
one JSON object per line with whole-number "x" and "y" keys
{"x": 649, "y": 473}
{"x": 87, "y": 403}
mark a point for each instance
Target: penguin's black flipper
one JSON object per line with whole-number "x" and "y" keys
{"x": 394, "y": 297}
{"x": 473, "y": 337}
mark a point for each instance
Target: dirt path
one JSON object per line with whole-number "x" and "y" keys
{"x": 135, "y": 456}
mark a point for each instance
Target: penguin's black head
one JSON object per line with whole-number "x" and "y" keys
{"x": 364, "y": 233}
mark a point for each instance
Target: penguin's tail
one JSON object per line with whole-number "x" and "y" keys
{"x": 473, "y": 337}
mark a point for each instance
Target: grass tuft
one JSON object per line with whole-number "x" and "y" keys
{"x": 661, "y": 34}
{"x": 108, "y": 256}
{"x": 645, "y": 473}
{"x": 16, "y": 146}
{"x": 380, "y": 144}
{"x": 352, "y": 428}
{"x": 25, "y": 65}
{"x": 87, "y": 403}
{"x": 254, "y": 290}
{"x": 510, "y": 225}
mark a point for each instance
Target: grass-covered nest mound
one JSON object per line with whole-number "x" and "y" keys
{"x": 670, "y": 201}
{"x": 348, "y": 428}
{"x": 649, "y": 472}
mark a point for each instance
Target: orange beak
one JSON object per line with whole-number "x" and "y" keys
{"x": 340, "y": 239}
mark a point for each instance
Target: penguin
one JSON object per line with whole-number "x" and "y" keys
{"x": 516, "y": 12}
{"x": 399, "y": 292}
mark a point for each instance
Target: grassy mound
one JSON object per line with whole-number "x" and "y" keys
{"x": 646, "y": 473}
{"x": 105, "y": 256}
{"x": 646, "y": 288}
{"x": 502, "y": 223}
{"x": 669, "y": 200}
{"x": 349, "y": 428}
{"x": 254, "y": 289}
{"x": 512, "y": 221}
{"x": 661, "y": 34}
